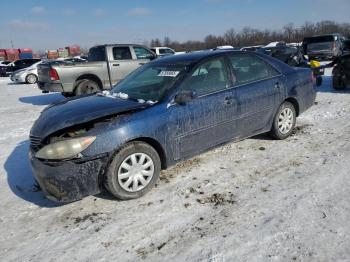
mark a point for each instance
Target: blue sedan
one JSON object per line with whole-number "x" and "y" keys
{"x": 168, "y": 110}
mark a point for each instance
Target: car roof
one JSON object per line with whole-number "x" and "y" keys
{"x": 194, "y": 56}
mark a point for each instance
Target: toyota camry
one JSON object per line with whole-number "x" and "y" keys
{"x": 170, "y": 109}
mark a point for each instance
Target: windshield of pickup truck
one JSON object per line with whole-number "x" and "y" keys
{"x": 96, "y": 54}
{"x": 150, "y": 82}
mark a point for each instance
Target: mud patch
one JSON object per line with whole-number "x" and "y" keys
{"x": 302, "y": 129}
{"x": 92, "y": 220}
{"x": 182, "y": 167}
{"x": 218, "y": 199}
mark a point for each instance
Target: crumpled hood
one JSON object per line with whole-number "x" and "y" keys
{"x": 76, "y": 111}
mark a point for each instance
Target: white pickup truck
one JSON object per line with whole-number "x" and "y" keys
{"x": 163, "y": 51}
{"x": 106, "y": 66}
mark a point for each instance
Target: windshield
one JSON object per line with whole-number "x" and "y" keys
{"x": 319, "y": 39}
{"x": 150, "y": 82}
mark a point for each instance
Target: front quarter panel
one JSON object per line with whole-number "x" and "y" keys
{"x": 150, "y": 123}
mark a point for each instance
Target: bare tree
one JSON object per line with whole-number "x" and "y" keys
{"x": 249, "y": 36}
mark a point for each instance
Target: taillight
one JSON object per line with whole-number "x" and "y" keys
{"x": 53, "y": 75}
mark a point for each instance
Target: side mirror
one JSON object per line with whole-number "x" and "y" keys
{"x": 184, "y": 97}
{"x": 152, "y": 57}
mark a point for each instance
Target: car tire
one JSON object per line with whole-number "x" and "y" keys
{"x": 284, "y": 121}
{"x": 337, "y": 81}
{"x": 85, "y": 87}
{"x": 31, "y": 79}
{"x": 127, "y": 176}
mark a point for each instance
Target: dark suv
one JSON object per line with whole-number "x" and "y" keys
{"x": 323, "y": 47}
{"x": 20, "y": 64}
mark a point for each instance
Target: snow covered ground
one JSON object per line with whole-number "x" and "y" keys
{"x": 255, "y": 200}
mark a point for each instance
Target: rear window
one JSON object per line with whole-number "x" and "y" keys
{"x": 97, "y": 54}
{"x": 122, "y": 53}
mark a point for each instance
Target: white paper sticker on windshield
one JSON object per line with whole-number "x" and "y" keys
{"x": 169, "y": 73}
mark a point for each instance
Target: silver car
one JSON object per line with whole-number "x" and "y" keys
{"x": 27, "y": 75}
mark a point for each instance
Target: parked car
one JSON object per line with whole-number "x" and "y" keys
{"x": 323, "y": 47}
{"x": 166, "y": 111}
{"x": 4, "y": 63}
{"x": 106, "y": 66}
{"x": 27, "y": 75}
{"x": 341, "y": 68}
{"x": 3, "y": 67}
{"x": 294, "y": 57}
{"x": 224, "y": 47}
{"x": 163, "y": 51}
{"x": 20, "y": 64}
{"x": 252, "y": 48}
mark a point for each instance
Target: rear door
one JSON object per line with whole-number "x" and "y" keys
{"x": 259, "y": 91}
{"x": 209, "y": 119}
{"x": 121, "y": 63}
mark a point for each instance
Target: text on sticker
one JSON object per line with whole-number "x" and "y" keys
{"x": 169, "y": 73}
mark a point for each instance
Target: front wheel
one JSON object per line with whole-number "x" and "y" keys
{"x": 133, "y": 171}
{"x": 284, "y": 121}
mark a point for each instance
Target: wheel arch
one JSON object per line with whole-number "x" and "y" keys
{"x": 156, "y": 145}
{"x": 89, "y": 77}
{"x": 295, "y": 103}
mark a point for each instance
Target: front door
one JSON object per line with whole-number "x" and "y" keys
{"x": 208, "y": 119}
{"x": 122, "y": 63}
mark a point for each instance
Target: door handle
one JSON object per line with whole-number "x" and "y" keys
{"x": 116, "y": 64}
{"x": 277, "y": 85}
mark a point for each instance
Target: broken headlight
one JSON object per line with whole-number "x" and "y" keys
{"x": 64, "y": 149}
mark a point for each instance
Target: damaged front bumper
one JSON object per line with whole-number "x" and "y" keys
{"x": 71, "y": 180}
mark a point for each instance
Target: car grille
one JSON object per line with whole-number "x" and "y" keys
{"x": 35, "y": 143}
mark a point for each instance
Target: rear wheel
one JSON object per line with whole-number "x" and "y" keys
{"x": 284, "y": 121}
{"x": 133, "y": 171}
{"x": 86, "y": 86}
{"x": 31, "y": 79}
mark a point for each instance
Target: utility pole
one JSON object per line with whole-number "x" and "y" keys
{"x": 11, "y": 43}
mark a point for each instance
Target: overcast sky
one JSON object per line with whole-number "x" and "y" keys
{"x": 53, "y": 24}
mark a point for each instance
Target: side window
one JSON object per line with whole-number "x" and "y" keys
{"x": 249, "y": 68}
{"x": 142, "y": 53}
{"x": 209, "y": 77}
{"x": 122, "y": 53}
